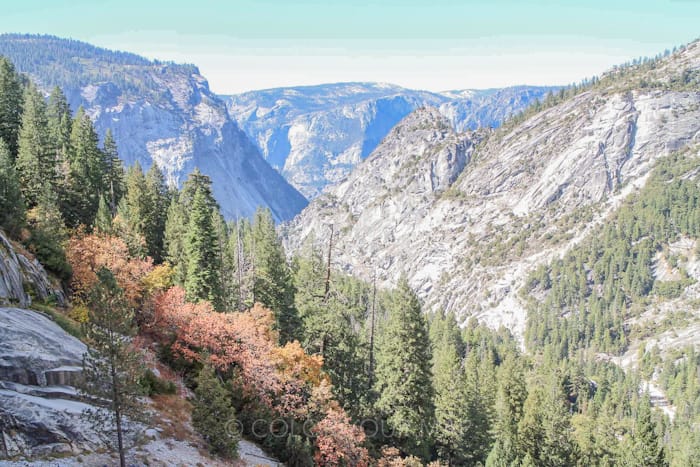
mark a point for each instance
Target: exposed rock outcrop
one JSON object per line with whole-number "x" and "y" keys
{"x": 316, "y": 135}
{"x": 22, "y": 278}
{"x": 40, "y": 413}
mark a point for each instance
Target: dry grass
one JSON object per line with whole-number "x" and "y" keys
{"x": 173, "y": 414}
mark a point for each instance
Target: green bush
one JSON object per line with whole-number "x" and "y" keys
{"x": 67, "y": 324}
{"x": 213, "y": 415}
{"x": 153, "y": 385}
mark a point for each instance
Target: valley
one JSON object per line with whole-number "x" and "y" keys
{"x": 372, "y": 274}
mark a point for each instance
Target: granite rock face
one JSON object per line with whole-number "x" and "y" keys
{"x": 22, "y": 277}
{"x": 40, "y": 411}
{"x": 316, "y": 135}
{"x": 512, "y": 199}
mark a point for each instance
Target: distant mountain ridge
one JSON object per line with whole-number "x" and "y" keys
{"x": 316, "y": 135}
{"x": 159, "y": 112}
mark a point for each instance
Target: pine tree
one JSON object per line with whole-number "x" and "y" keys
{"x": 174, "y": 239}
{"x": 403, "y": 379}
{"x": 221, "y": 234}
{"x": 197, "y": 181}
{"x": 239, "y": 262}
{"x": 332, "y": 326}
{"x": 114, "y": 183}
{"x": 213, "y": 415}
{"x": 111, "y": 368}
{"x": 273, "y": 285}
{"x": 103, "y": 219}
{"x": 479, "y": 375}
{"x": 11, "y": 100}
{"x": 453, "y": 425}
{"x": 201, "y": 248}
{"x": 35, "y": 164}
{"x": 158, "y": 201}
{"x": 178, "y": 219}
{"x": 646, "y": 444}
{"x": 60, "y": 121}
{"x": 48, "y": 234}
{"x": 544, "y": 432}
{"x": 87, "y": 169}
{"x": 310, "y": 297}
{"x": 134, "y": 210}
{"x": 511, "y": 396}
{"x": 12, "y": 210}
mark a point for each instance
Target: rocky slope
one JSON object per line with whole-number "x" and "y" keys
{"x": 42, "y": 413}
{"x": 527, "y": 193}
{"x": 315, "y": 135}
{"x": 39, "y": 411}
{"x": 158, "y": 112}
{"x": 23, "y": 277}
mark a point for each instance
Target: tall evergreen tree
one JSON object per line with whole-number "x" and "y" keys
{"x": 174, "y": 238}
{"x": 273, "y": 285}
{"x": 157, "y": 211}
{"x": 48, "y": 233}
{"x": 197, "y": 181}
{"x": 201, "y": 248}
{"x": 511, "y": 396}
{"x": 134, "y": 211}
{"x": 60, "y": 126}
{"x": 35, "y": 164}
{"x": 403, "y": 379}
{"x": 114, "y": 183}
{"x": 238, "y": 281}
{"x": 479, "y": 374}
{"x": 333, "y": 326}
{"x": 111, "y": 367}
{"x": 544, "y": 431}
{"x": 11, "y": 100}
{"x": 310, "y": 298}
{"x": 103, "y": 219}
{"x": 12, "y": 210}
{"x": 646, "y": 448}
{"x": 453, "y": 425}
{"x": 87, "y": 169}
{"x": 213, "y": 414}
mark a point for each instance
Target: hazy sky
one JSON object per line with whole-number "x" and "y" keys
{"x": 437, "y": 45}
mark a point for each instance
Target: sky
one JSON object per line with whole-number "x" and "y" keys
{"x": 437, "y": 45}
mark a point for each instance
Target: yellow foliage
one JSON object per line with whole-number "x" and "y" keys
{"x": 159, "y": 279}
{"x": 79, "y": 313}
{"x": 295, "y": 363}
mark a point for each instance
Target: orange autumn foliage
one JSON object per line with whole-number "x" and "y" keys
{"x": 242, "y": 340}
{"x": 338, "y": 442}
{"x": 287, "y": 380}
{"x": 88, "y": 253}
{"x": 294, "y": 363}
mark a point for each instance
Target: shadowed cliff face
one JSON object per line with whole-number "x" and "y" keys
{"x": 527, "y": 193}
{"x": 162, "y": 113}
{"x": 316, "y": 135}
